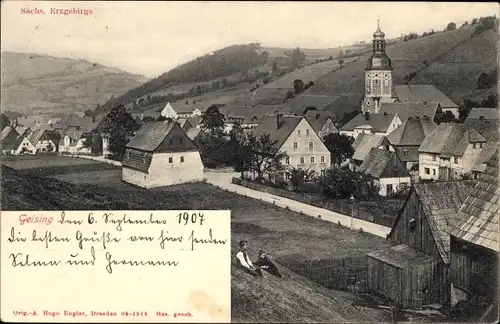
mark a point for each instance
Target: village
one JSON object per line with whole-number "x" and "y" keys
{"x": 407, "y": 169}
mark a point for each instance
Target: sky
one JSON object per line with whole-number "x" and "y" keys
{"x": 150, "y": 38}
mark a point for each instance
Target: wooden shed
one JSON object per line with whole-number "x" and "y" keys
{"x": 421, "y": 228}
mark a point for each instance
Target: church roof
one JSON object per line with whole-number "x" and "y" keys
{"x": 406, "y": 110}
{"x": 423, "y": 93}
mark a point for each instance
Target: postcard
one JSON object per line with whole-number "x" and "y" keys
{"x": 251, "y": 161}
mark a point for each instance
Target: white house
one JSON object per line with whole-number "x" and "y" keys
{"x": 382, "y": 124}
{"x": 161, "y": 154}
{"x": 42, "y": 141}
{"x": 73, "y": 142}
{"x": 295, "y": 136}
{"x": 386, "y": 169}
{"x": 449, "y": 151}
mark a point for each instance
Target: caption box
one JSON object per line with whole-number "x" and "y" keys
{"x": 115, "y": 266}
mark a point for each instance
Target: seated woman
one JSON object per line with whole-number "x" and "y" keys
{"x": 265, "y": 263}
{"x": 245, "y": 262}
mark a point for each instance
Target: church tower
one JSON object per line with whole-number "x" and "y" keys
{"x": 378, "y": 75}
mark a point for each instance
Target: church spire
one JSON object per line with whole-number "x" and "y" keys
{"x": 378, "y": 35}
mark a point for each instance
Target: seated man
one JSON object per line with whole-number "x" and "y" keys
{"x": 245, "y": 262}
{"x": 265, "y": 263}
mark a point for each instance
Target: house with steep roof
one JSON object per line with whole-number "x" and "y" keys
{"x": 161, "y": 154}
{"x": 382, "y": 124}
{"x": 248, "y": 116}
{"x": 425, "y": 93}
{"x": 42, "y": 141}
{"x": 23, "y": 130}
{"x": 449, "y": 151}
{"x": 486, "y": 154}
{"x": 407, "y": 138}
{"x": 295, "y": 136}
{"x": 388, "y": 172}
{"x": 486, "y": 127}
{"x": 73, "y": 142}
{"x": 184, "y": 109}
{"x": 362, "y": 146}
{"x": 474, "y": 244}
{"x": 323, "y": 124}
{"x": 14, "y": 144}
{"x": 483, "y": 113}
{"x": 195, "y": 121}
{"x": 184, "y": 123}
{"x": 415, "y": 270}
{"x": 406, "y": 110}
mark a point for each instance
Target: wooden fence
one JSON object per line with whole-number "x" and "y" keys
{"x": 314, "y": 200}
{"x": 349, "y": 274}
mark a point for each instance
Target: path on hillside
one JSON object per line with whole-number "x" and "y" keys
{"x": 223, "y": 180}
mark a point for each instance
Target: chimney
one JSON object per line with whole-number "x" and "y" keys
{"x": 367, "y": 115}
{"x": 317, "y": 116}
{"x": 279, "y": 120}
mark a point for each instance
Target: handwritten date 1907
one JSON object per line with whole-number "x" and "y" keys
{"x": 193, "y": 218}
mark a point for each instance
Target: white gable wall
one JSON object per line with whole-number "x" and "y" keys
{"x": 169, "y": 112}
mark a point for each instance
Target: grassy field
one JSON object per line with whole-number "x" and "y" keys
{"x": 42, "y": 161}
{"x": 289, "y": 237}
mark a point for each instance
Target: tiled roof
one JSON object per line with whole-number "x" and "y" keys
{"x": 181, "y": 107}
{"x": 317, "y": 121}
{"x": 406, "y": 110}
{"x": 85, "y": 123}
{"x": 486, "y": 127}
{"x": 13, "y": 143}
{"x": 182, "y": 122}
{"x": 477, "y": 221}
{"x": 153, "y": 113}
{"x": 365, "y": 142}
{"x": 412, "y": 132}
{"x": 440, "y": 202}
{"x": 5, "y": 132}
{"x": 151, "y": 135}
{"x": 249, "y": 114}
{"x": 33, "y": 121}
{"x": 486, "y": 154}
{"x": 486, "y": 113}
{"x": 379, "y": 122}
{"x": 450, "y": 139}
{"x": 36, "y": 135}
{"x": 75, "y": 136}
{"x": 21, "y": 129}
{"x": 192, "y": 133}
{"x": 401, "y": 256}
{"x": 269, "y": 124}
{"x": 376, "y": 162}
{"x": 421, "y": 93}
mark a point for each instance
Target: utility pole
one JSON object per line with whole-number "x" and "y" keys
{"x": 352, "y": 211}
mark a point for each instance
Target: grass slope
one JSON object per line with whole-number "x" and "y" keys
{"x": 455, "y": 62}
{"x": 36, "y": 84}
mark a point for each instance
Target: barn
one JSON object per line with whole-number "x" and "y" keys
{"x": 415, "y": 272}
{"x": 161, "y": 154}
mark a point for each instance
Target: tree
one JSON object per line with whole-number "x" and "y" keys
{"x": 119, "y": 126}
{"x": 54, "y": 136}
{"x": 300, "y": 176}
{"x": 340, "y": 147}
{"x": 263, "y": 156}
{"x": 445, "y": 117}
{"x": 50, "y": 147}
{"x": 289, "y": 94}
{"x": 275, "y": 68}
{"x": 298, "y": 58}
{"x": 465, "y": 24}
{"x": 237, "y": 153}
{"x": 89, "y": 112}
{"x": 212, "y": 120}
{"x": 341, "y": 63}
{"x": 451, "y": 26}
{"x": 298, "y": 85}
{"x": 93, "y": 141}
{"x": 340, "y": 183}
{"x": 4, "y": 121}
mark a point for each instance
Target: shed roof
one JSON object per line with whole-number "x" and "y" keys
{"x": 379, "y": 122}
{"x": 449, "y": 139}
{"x": 421, "y": 93}
{"x": 406, "y": 110}
{"x": 401, "y": 256}
{"x": 477, "y": 221}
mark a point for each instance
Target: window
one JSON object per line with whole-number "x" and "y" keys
{"x": 433, "y": 171}
{"x": 302, "y": 160}
{"x": 170, "y": 160}
{"x": 311, "y": 145}
{"x": 307, "y": 132}
{"x": 298, "y": 132}
{"x": 473, "y": 145}
{"x": 287, "y": 160}
{"x": 312, "y": 160}
{"x": 455, "y": 158}
{"x": 322, "y": 159}
{"x": 433, "y": 157}
{"x": 389, "y": 188}
{"x": 427, "y": 170}
{"x": 376, "y": 82}
{"x": 287, "y": 176}
{"x": 386, "y": 83}
{"x": 182, "y": 159}
{"x": 480, "y": 145}
{"x": 412, "y": 225}
{"x": 294, "y": 145}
